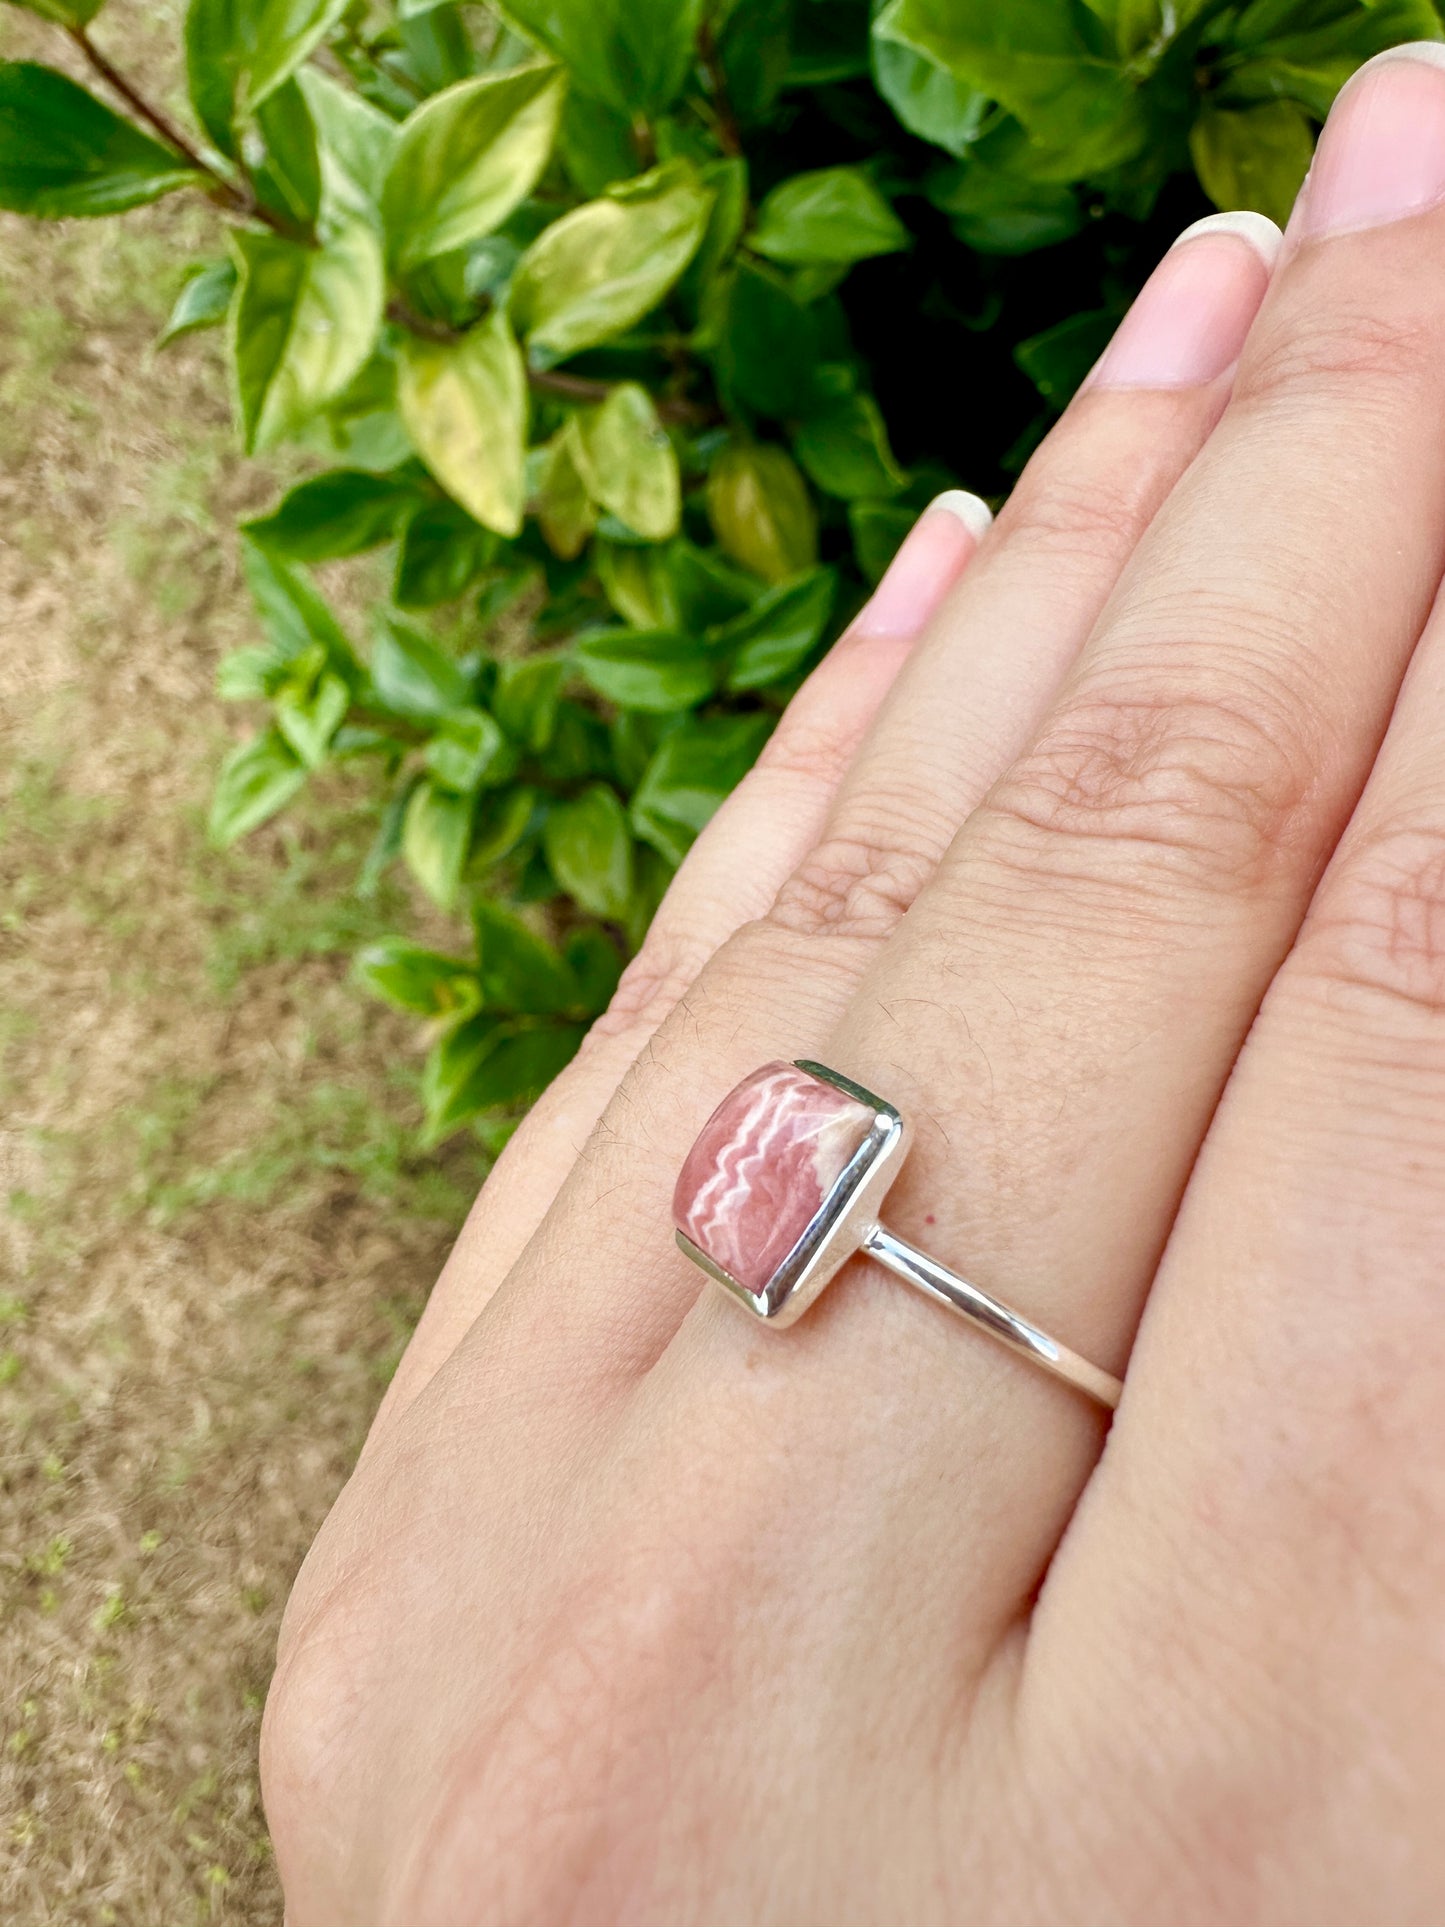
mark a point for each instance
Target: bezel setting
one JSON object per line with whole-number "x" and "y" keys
{"x": 842, "y": 1221}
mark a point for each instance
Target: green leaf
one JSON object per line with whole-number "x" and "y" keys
{"x": 759, "y": 507}
{"x": 566, "y": 513}
{"x": 753, "y": 49}
{"x": 435, "y": 836}
{"x": 489, "y": 1066}
{"x": 648, "y": 670}
{"x": 356, "y": 145}
{"x": 295, "y": 616}
{"x": 638, "y": 584}
{"x": 465, "y": 406}
{"x": 878, "y": 529}
{"x": 844, "y": 448}
{"x": 1253, "y": 157}
{"x": 596, "y": 964}
{"x": 257, "y": 779}
{"x": 1080, "y": 108}
{"x": 779, "y": 632}
{"x": 995, "y": 209}
{"x": 443, "y": 551}
{"x": 342, "y": 513}
{"x": 589, "y": 850}
{"x": 468, "y": 748}
{"x": 525, "y": 699}
{"x": 595, "y": 143}
{"x": 424, "y": 982}
{"x": 304, "y": 323}
{"x": 309, "y": 718}
{"x": 203, "y": 302}
{"x": 466, "y": 158}
{"x": 502, "y": 819}
{"x": 929, "y": 100}
{"x": 834, "y": 214}
{"x": 288, "y": 178}
{"x": 62, "y": 153}
{"x": 1282, "y": 49}
{"x": 627, "y": 463}
{"x": 633, "y": 55}
{"x": 520, "y": 972}
{"x": 599, "y": 269}
{"x": 238, "y": 52}
{"x": 768, "y": 347}
{"x": 695, "y": 767}
{"x": 411, "y": 677}
{"x": 64, "y": 13}
{"x": 1057, "y": 359}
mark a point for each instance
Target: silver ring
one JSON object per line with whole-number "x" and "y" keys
{"x": 784, "y": 1185}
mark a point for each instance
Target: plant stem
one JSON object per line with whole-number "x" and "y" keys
{"x": 167, "y": 129}
{"x": 729, "y": 134}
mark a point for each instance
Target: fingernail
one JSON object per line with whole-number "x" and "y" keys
{"x": 1191, "y": 316}
{"x": 1382, "y": 153}
{"x": 927, "y": 565}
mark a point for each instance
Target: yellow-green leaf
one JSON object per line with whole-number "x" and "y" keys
{"x": 465, "y": 407}
{"x": 761, "y": 511}
{"x": 303, "y": 324}
{"x": 565, "y": 511}
{"x": 627, "y": 462}
{"x": 599, "y": 269}
{"x": 466, "y": 158}
{"x": 1254, "y": 157}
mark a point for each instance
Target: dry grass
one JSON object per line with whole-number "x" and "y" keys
{"x": 214, "y": 1234}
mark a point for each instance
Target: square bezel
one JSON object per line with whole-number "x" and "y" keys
{"x": 839, "y": 1225}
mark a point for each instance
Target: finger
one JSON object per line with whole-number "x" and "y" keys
{"x": 976, "y": 686}
{"x": 731, "y": 874}
{"x": 1081, "y": 970}
{"x": 1042, "y": 575}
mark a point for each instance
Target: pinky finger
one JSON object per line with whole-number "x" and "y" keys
{"x": 731, "y": 875}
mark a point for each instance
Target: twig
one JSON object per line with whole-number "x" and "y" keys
{"x": 729, "y": 134}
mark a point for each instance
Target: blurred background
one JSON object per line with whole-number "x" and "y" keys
{"x": 435, "y": 440}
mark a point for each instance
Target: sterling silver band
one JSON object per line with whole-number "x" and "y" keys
{"x": 1000, "y": 1321}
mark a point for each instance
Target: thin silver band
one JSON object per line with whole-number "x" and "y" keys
{"x": 1000, "y": 1321}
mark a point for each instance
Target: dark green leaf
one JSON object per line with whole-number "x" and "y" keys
{"x": 435, "y": 839}
{"x": 599, "y": 269}
{"x": 1057, "y": 360}
{"x": 257, "y": 779}
{"x": 997, "y": 209}
{"x": 502, "y": 819}
{"x": 411, "y": 677}
{"x": 466, "y": 158}
{"x": 465, "y": 406}
{"x": 589, "y": 850}
{"x": 878, "y": 529}
{"x": 342, "y": 513}
{"x": 468, "y": 750}
{"x": 240, "y": 51}
{"x": 650, "y": 670}
{"x": 695, "y": 767}
{"x": 633, "y": 55}
{"x": 779, "y": 632}
{"x": 203, "y": 302}
{"x": 62, "y": 153}
{"x": 768, "y": 348}
{"x": 520, "y": 972}
{"x": 411, "y": 978}
{"x": 525, "y": 699}
{"x": 844, "y": 448}
{"x": 833, "y": 215}
{"x": 450, "y": 1063}
{"x": 595, "y": 964}
{"x": 306, "y": 320}
{"x": 515, "y": 1066}
{"x": 595, "y": 144}
{"x": 288, "y": 179}
{"x": 753, "y": 50}
{"x": 296, "y": 617}
{"x": 443, "y": 551}
{"x": 1287, "y": 50}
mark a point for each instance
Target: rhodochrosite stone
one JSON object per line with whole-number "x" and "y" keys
{"x": 765, "y": 1160}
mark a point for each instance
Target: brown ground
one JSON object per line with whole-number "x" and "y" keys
{"x": 214, "y": 1229}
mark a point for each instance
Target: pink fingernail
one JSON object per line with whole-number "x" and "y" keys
{"x": 1382, "y": 154}
{"x": 927, "y": 565}
{"x": 1191, "y": 316}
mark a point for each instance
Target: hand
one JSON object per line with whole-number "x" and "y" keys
{"x": 1127, "y": 882}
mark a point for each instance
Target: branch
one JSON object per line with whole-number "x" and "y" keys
{"x": 729, "y": 134}
{"x": 548, "y": 381}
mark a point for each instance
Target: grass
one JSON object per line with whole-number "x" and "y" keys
{"x": 215, "y": 1227}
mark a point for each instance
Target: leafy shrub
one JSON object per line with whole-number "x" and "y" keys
{"x": 640, "y": 330}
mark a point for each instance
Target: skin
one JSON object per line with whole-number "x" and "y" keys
{"x": 1127, "y": 881}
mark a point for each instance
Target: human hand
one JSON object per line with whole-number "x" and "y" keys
{"x": 1126, "y": 882}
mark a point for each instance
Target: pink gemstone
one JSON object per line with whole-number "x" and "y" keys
{"x": 763, "y": 1163}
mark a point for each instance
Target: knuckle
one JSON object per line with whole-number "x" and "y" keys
{"x": 858, "y": 882}
{"x": 1377, "y": 933}
{"x": 1337, "y": 343}
{"x": 652, "y": 985}
{"x": 1206, "y": 789}
{"x": 1062, "y": 510}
